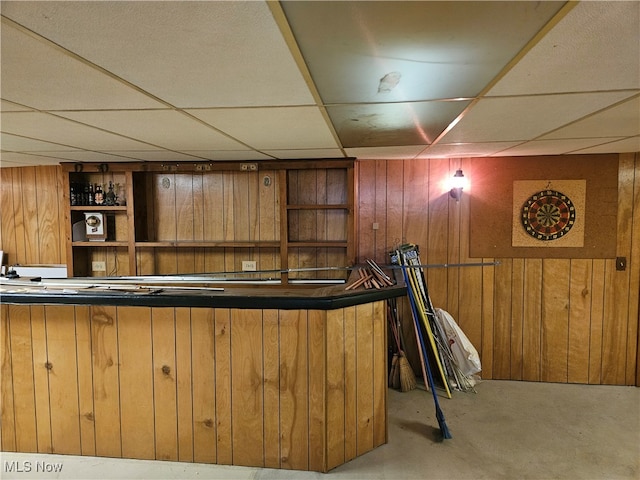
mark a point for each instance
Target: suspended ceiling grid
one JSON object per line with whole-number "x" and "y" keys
{"x": 188, "y": 81}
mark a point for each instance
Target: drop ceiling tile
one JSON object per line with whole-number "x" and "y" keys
{"x": 384, "y": 125}
{"x": 628, "y": 145}
{"x": 165, "y": 128}
{"x": 272, "y": 128}
{"x": 6, "y": 106}
{"x": 227, "y": 155}
{"x": 623, "y": 120}
{"x": 36, "y": 74}
{"x": 86, "y": 156}
{"x": 310, "y": 153}
{"x": 523, "y": 118}
{"x": 190, "y": 54}
{"x": 22, "y": 144}
{"x": 49, "y": 128}
{"x": 591, "y": 49}
{"x": 550, "y": 147}
{"x": 15, "y": 159}
{"x": 446, "y": 150}
{"x": 440, "y": 49}
{"x": 153, "y": 155}
{"x": 385, "y": 153}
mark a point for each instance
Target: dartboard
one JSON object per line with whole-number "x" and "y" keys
{"x": 548, "y": 215}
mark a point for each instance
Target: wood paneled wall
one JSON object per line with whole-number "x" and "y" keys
{"x": 289, "y": 389}
{"x": 540, "y": 319}
{"x": 535, "y": 319}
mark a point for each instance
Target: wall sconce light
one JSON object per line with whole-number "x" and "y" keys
{"x": 457, "y": 184}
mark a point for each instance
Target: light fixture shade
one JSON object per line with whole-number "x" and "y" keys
{"x": 457, "y": 184}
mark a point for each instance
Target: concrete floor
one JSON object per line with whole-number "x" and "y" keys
{"x": 508, "y": 430}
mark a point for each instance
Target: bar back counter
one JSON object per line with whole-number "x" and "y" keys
{"x": 290, "y": 378}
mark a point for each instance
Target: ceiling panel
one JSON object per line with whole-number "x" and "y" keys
{"x": 392, "y": 124}
{"x": 250, "y": 80}
{"x": 165, "y": 128}
{"x": 191, "y": 54}
{"x": 620, "y": 120}
{"x": 272, "y": 128}
{"x": 465, "y": 149}
{"x": 595, "y": 47}
{"x": 439, "y": 49}
{"x": 39, "y": 75}
{"x": 631, "y": 144}
{"x": 59, "y": 130}
{"x": 524, "y": 118}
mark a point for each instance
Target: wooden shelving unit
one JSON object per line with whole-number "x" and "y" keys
{"x": 208, "y": 217}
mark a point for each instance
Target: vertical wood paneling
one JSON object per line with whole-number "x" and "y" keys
{"x": 517, "y": 320}
{"x": 579, "y": 320}
{"x": 63, "y": 379}
{"x": 204, "y": 358}
{"x": 18, "y": 344}
{"x": 184, "y": 380}
{"x": 106, "y": 386}
{"x": 501, "y": 341}
{"x": 246, "y": 387}
{"x": 271, "y": 366}
{"x": 393, "y": 222}
{"x": 294, "y": 389}
{"x": 350, "y": 385}
{"x": 7, "y": 412}
{"x": 8, "y": 230}
{"x": 136, "y": 382}
{"x": 555, "y": 319}
{"x": 364, "y": 378}
{"x": 366, "y": 210}
{"x": 435, "y": 251}
{"x": 336, "y": 389}
{"x": 222, "y": 347}
{"x": 164, "y": 383}
{"x": 85, "y": 381}
{"x": 379, "y": 343}
{"x": 317, "y": 394}
{"x": 532, "y": 312}
{"x": 41, "y": 379}
{"x": 48, "y": 204}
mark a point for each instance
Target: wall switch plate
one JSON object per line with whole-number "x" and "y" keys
{"x": 248, "y": 266}
{"x": 98, "y": 266}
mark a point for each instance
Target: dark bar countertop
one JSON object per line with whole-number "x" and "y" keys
{"x": 167, "y": 292}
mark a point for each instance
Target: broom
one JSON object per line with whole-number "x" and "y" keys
{"x": 404, "y": 378}
{"x": 439, "y": 414}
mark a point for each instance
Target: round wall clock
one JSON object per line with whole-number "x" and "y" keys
{"x": 548, "y": 215}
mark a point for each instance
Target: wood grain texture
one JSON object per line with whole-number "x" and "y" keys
{"x": 7, "y": 411}
{"x": 85, "y": 381}
{"x": 224, "y": 443}
{"x": 136, "y": 382}
{"x": 555, "y": 320}
{"x": 336, "y": 389}
{"x": 205, "y": 401}
{"x": 41, "y": 378}
{"x": 19, "y": 345}
{"x": 364, "y": 379}
{"x": 184, "y": 379}
{"x": 63, "y": 379}
{"x": 106, "y": 382}
{"x": 271, "y": 393}
{"x": 163, "y": 340}
{"x": 317, "y": 355}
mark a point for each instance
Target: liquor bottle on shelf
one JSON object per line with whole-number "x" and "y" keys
{"x": 73, "y": 194}
{"x": 110, "y": 196}
{"x": 98, "y": 197}
{"x": 91, "y": 197}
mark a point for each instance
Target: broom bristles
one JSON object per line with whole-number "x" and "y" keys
{"x": 394, "y": 374}
{"x": 407, "y": 377}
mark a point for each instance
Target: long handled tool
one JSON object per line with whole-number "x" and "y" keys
{"x": 444, "y": 429}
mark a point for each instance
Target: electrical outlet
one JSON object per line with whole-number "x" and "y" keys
{"x": 249, "y": 266}
{"x": 98, "y": 266}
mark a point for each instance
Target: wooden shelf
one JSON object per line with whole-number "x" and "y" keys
{"x": 203, "y": 203}
{"x": 98, "y": 208}
{"x": 320, "y": 244}
{"x": 98, "y": 243}
{"x": 319, "y": 207}
{"x": 206, "y": 244}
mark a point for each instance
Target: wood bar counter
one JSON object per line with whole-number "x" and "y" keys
{"x": 291, "y": 378}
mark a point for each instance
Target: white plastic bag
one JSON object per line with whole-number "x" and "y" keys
{"x": 464, "y": 353}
